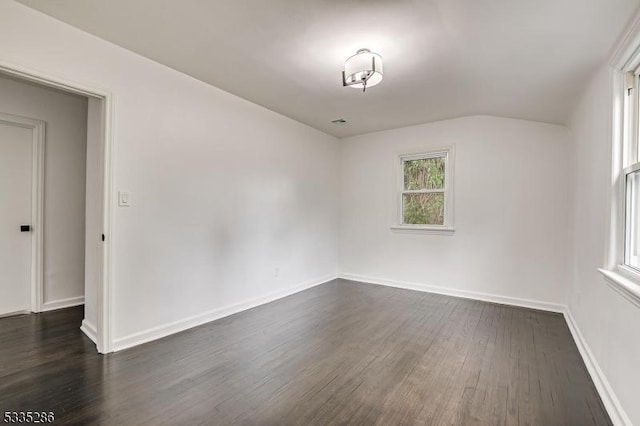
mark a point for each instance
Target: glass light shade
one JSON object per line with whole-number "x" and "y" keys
{"x": 360, "y": 65}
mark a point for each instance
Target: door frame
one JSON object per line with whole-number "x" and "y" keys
{"x": 37, "y": 127}
{"x": 104, "y": 326}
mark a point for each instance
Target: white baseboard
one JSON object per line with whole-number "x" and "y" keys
{"x": 196, "y": 320}
{"x": 62, "y": 303}
{"x": 486, "y": 297}
{"x": 14, "y": 313}
{"x": 609, "y": 399}
{"x": 89, "y": 330}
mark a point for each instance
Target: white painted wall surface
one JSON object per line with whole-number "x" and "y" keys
{"x": 222, "y": 191}
{"x": 609, "y": 323}
{"x": 64, "y": 192}
{"x": 511, "y": 209}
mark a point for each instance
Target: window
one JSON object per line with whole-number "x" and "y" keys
{"x": 630, "y": 176}
{"x": 622, "y": 267}
{"x": 425, "y": 194}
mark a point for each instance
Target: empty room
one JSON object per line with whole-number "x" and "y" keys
{"x": 279, "y": 212}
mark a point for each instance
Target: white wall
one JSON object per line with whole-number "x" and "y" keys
{"x": 223, "y": 191}
{"x": 511, "y": 209}
{"x": 65, "y": 147}
{"x": 609, "y": 323}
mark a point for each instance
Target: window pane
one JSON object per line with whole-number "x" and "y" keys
{"x": 633, "y": 220}
{"x": 423, "y": 209}
{"x": 426, "y": 173}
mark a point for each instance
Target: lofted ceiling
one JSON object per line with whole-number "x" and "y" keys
{"x": 526, "y": 59}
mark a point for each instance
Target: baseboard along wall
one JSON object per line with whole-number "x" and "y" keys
{"x": 196, "y": 320}
{"x": 465, "y": 294}
{"x": 610, "y": 401}
{"x": 89, "y": 330}
{"x": 62, "y": 303}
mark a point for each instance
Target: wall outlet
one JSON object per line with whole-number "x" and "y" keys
{"x": 276, "y": 272}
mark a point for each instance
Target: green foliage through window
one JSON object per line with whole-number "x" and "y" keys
{"x": 425, "y": 206}
{"x": 425, "y": 173}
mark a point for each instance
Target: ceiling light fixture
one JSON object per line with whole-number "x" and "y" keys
{"x": 362, "y": 70}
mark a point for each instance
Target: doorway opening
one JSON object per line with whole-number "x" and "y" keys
{"x": 26, "y": 203}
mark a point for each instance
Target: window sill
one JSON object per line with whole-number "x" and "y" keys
{"x": 626, "y": 287}
{"x": 424, "y": 229}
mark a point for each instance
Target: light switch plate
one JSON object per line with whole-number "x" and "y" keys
{"x": 124, "y": 199}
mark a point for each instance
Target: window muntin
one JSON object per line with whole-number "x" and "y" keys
{"x": 424, "y": 190}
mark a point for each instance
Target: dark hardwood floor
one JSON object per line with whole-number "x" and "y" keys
{"x": 340, "y": 353}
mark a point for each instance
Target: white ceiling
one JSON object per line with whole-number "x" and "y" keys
{"x": 442, "y": 58}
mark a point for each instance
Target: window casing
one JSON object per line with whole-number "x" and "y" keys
{"x": 424, "y": 196}
{"x": 621, "y": 269}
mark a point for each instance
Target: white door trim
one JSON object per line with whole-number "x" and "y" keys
{"x": 104, "y": 325}
{"x": 37, "y": 127}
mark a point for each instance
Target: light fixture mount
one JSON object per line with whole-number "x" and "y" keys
{"x": 362, "y": 70}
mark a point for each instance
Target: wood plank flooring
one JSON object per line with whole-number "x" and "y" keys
{"x": 340, "y": 353}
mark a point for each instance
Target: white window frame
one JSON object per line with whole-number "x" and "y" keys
{"x": 448, "y": 154}
{"x": 625, "y": 63}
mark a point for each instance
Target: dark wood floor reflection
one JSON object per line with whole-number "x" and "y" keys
{"x": 339, "y": 353}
